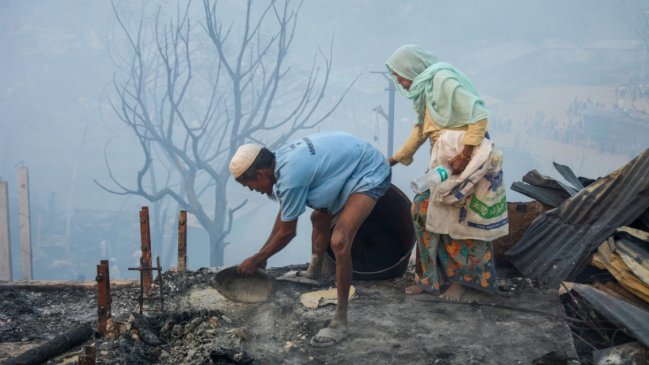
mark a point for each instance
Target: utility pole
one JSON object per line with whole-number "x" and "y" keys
{"x": 390, "y": 116}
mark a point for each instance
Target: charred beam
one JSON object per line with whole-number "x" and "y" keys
{"x": 53, "y": 347}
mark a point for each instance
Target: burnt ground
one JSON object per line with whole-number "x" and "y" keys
{"x": 200, "y": 326}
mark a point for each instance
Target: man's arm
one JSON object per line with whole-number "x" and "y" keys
{"x": 280, "y": 236}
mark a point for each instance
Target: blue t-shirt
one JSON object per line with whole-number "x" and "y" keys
{"x": 321, "y": 171}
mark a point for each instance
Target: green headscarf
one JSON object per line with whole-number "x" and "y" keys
{"x": 451, "y": 98}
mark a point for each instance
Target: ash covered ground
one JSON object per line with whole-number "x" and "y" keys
{"x": 200, "y": 326}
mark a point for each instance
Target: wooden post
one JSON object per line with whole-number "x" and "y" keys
{"x": 22, "y": 176}
{"x": 145, "y": 240}
{"x": 103, "y": 296}
{"x": 5, "y": 242}
{"x": 182, "y": 241}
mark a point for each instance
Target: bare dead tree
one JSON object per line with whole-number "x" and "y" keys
{"x": 195, "y": 93}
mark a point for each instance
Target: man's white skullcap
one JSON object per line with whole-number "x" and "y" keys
{"x": 243, "y": 158}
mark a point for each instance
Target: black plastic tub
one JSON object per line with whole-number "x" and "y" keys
{"x": 382, "y": 246}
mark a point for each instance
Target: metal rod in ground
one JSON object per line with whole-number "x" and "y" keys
{"x": 104, "y": 299}
{"x": 145, "y": 241}
{"x": 161, "y": 284}
{"x": 145, "y": 296}
{"x": 182, "y": 241}
{"x": 141, "y": 298}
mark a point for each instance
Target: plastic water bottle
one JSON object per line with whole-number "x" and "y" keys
{"x": 432, "y": 178}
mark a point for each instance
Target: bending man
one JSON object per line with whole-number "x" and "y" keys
{"x": 338, "y": 175}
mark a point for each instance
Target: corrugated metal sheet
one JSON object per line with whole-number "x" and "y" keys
{"x": 537, "y": 179}
{"x": 633, "y": 319}
{"x": 570, "y": 176}
{"x": 558, "y": 244}
{"x": 547, "y": 196}
{"x": 544, "y": 188}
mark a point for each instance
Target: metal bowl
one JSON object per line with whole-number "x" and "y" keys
{"x": 245, "y": 288}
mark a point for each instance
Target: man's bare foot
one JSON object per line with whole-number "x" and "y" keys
{"x": 308, "y": 274}
{"x": 330, "y": 335}
{"x": 454, "y": 292}
{"x": 314, "y": 271}
{"x": 301, "y": 277}
{"x": 414, "y": 290}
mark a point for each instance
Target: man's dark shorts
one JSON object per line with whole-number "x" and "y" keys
{"x": 377, "y": 192}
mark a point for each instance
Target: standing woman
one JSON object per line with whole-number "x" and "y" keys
{"x": 444, "y": 100}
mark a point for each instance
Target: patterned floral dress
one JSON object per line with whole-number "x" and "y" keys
{"x": 447, "y": 260}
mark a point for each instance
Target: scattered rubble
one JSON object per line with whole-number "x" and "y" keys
{"x": 201, "y": 326}
{"x": 603, "y": 223}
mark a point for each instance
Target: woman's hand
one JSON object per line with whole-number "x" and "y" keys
{"x": 459, "y": 162}
{"x": 392, "y": 161}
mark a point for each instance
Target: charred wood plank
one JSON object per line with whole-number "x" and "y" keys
{"x": 51, "y": 285}
{"x": 53, "y": 347}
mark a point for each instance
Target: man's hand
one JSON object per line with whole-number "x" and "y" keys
{"x": 392, "y": 161}
{"x": 263, "y": 264}
{"x": 281, "y": 235}
{"x": 248, "y": 266}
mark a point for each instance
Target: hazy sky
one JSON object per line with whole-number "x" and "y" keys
{"x": 57, "y": 68}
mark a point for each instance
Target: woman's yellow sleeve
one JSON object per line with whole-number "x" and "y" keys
{"x": 412, "y": 144}
{"x": 475, "y": 133}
